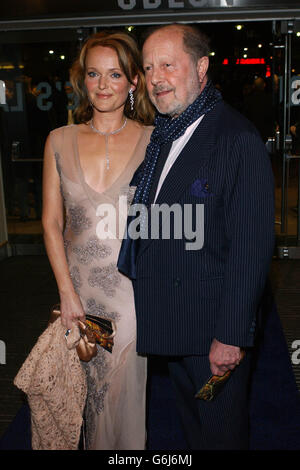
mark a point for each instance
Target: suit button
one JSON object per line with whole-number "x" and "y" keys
{"x": 177, "y": 282}
{"x": 252, "y": 329}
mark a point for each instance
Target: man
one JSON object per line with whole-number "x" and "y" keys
{"x": 198, "y": 306}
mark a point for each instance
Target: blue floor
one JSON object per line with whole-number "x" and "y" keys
{"x": 274, "y": 405}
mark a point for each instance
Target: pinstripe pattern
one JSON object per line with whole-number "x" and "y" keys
{"x": 219, "y": 424}
{"x": 186, "y": 298}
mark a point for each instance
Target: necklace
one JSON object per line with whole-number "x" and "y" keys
{"x": 106, "y": 135}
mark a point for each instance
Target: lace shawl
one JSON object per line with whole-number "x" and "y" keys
{"x": 55, "y": 384}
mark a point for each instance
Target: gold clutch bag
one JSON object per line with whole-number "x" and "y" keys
{"x": 95, "y": 330}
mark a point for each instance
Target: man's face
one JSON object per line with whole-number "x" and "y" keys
{"x": 172, "y": 78}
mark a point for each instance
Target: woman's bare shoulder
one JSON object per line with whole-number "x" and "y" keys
{"x": 61, "y": 132}
{"x": 144, "y": 130}
{"x": 149, "y": 129}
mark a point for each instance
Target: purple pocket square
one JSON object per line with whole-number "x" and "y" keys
{"x": 200, "y": 188}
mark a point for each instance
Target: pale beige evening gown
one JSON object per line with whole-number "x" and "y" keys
{"x": 115, "y": 407}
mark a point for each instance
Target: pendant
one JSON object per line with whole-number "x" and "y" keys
{"x": 106, "y": 135}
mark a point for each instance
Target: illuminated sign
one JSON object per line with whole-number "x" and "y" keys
{"x": 101, "y": 8}
{"x": 250, "y": 61}
{"x": 151, "y": 4}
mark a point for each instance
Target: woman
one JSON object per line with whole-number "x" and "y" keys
{"x": 87, "y": 168}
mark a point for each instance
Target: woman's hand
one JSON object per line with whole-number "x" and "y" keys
{"x": 71, "y": 310}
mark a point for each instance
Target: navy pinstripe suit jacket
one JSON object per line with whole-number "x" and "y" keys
{"x": 184, "y": 298}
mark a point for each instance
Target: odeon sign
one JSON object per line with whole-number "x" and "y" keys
{"x": 152, "y": 4}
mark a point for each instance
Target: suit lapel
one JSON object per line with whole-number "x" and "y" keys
{"x": 193, "y": 157}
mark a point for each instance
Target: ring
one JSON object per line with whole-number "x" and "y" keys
{"x": 67, "y": 333}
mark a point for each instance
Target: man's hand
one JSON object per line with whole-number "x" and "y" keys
{"x": 223, "y": 357}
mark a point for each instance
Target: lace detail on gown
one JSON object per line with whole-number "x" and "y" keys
{"x": 97, "y": 309}
{"x": 91, "y": 250}
{"x": 77, "y": 219}
{"x": 107, "y": 278}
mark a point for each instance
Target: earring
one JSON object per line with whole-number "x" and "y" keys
{"x": 131, "y": 98}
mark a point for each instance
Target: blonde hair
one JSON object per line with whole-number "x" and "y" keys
{"x": 130, "y": 63}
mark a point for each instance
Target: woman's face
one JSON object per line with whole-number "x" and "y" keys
{"x": 106, "y": 83}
